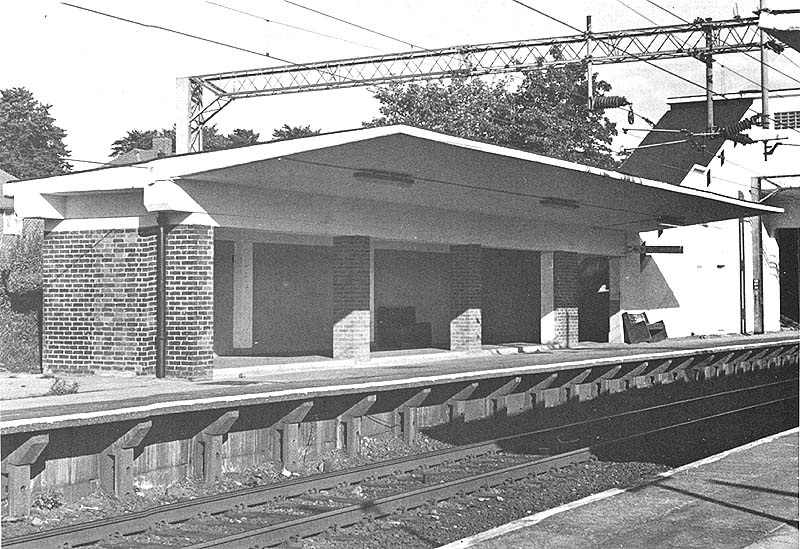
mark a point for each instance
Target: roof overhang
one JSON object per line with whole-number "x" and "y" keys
{"x": 401, "y": 164}
{"x": 783, "y": 25}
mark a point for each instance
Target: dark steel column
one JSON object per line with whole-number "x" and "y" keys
{"x": 758, "y": 262}
{"x": 161, "y": 297}
{"x": 742, "y": 278}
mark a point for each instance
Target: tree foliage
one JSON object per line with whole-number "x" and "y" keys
{"x": 547, "y": 113}
{"x": 293, "y": 132}
{"x": 212, "y": 139}
{"x": 21, "y": 297}
{"x": 31, "y": 145}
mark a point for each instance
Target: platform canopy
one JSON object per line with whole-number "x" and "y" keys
{"x": 397, "y": 165}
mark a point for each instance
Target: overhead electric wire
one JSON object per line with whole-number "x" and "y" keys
{"x": 662, "y": 8}
{"x": 640, "y": 14}
{"x": 166, "y": 29}
{"x": 271, "y": 56}
{"x": 353, "y": 24}
{"x": 613, "y": 46}
{"x": 674, "y": 74}
{"x": 295, "y": 27}
{"x": 672, "y": 13}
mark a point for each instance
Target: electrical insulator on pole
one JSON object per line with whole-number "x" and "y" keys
{"x": 602, "y": 102}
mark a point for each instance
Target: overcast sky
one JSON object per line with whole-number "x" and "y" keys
{"x": 105, "y": 77}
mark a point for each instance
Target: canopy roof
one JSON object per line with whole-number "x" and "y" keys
{"x": 401, "y": 164}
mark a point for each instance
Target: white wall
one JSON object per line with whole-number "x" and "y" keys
{"x": 698, "y": 292}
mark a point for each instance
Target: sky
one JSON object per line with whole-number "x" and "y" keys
{"x": 104, "y": 77}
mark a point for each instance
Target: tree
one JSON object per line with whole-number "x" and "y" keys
{"x": 31, "y": 145}
{"x": 241, "y": 138}
{"x": 293, "y": 132}
{"x": 212, "y": 139}
{"x": 546, "y": 114}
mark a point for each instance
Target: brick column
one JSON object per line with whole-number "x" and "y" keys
{"x": 465, "y": 297}
{"x": 99, "y": 301}
{"x": 351, "y": 297}
{"x": 559, "y": 298}
{"x": 190, "y": 301}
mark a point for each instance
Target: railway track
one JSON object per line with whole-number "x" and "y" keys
{"x": 273, "y": 514}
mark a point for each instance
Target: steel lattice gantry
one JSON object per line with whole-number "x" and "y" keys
{"x": 201, "y": 97}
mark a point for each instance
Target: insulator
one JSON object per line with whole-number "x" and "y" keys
{"x": 738, "y": 127}
{"x": 610, "y": 102}
{"x": 630, "y": 116}
{"x": 742, "y": 138}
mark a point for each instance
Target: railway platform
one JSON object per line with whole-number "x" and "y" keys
{"x": 24, "y": 404}
{"x": 743, "y": 498}
{"x": 114, "y": 431}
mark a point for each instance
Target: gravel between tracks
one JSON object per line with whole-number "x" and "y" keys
{"x": 446, "y": 521}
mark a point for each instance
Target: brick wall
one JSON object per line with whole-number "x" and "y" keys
{"x": 351, "y": 297}
{"x": 99, "y": 301}
{"x": 465, "y": 297}
{"x": 565, "y": 297}
{"x": 190, "y": 301}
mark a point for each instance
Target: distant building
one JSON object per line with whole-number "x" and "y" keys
{"x": 11, "y": 225}
{"x": 162, "y": 146}
{"x": 704, "y": 282}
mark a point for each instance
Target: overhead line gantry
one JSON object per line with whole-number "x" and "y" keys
{"x": 201, "y": 97}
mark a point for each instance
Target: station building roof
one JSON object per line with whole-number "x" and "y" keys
{"x": 401, "y": 165}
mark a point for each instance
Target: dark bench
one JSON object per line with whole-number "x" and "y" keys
{"x": 637, "y": 329}
{"x": 397, "y": 328}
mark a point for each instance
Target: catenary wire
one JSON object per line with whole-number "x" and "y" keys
{"x": 295, "y": 27}
{"x": 491, "y": 117}
{"x": 166, "y": 29}
{"x": 672, "y": 13}
{"x": 668, "y": 71}
{"x": 353, "y": 24}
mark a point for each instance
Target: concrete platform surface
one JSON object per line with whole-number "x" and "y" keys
{"x": 743, "y": 498}
{"x": 25, "y": 404}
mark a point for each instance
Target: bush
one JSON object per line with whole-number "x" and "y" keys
{"x": 21, "y": 298}
{"x": 62, "y": 387}
{"x": 47, "y": 501}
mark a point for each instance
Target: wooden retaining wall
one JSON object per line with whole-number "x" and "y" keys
{"x": 204, "y": 444}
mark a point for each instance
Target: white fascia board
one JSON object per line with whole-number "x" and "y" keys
{"x": 103, "y": 179}
{"x": 165, "y": 195}
{"x": 35, "y": 205}
{"x": 779, "y": 21}
{"x": 754, "y": 94}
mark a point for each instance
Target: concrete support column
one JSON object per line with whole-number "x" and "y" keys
{"x": 207, "y": 458}
{"x": 352, "y": 290}
{"x": 17, "y": 465}
{"x": 465, "y": 297}
{"x": 242, "y": 297}
{"x": 559, "y": 303}
{"x": 615, "y": 332}
{"x": 115, "y": 463}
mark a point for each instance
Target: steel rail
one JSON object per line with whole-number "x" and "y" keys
{"x": 315, "y": 524}
{"x": 132, "y": 523}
